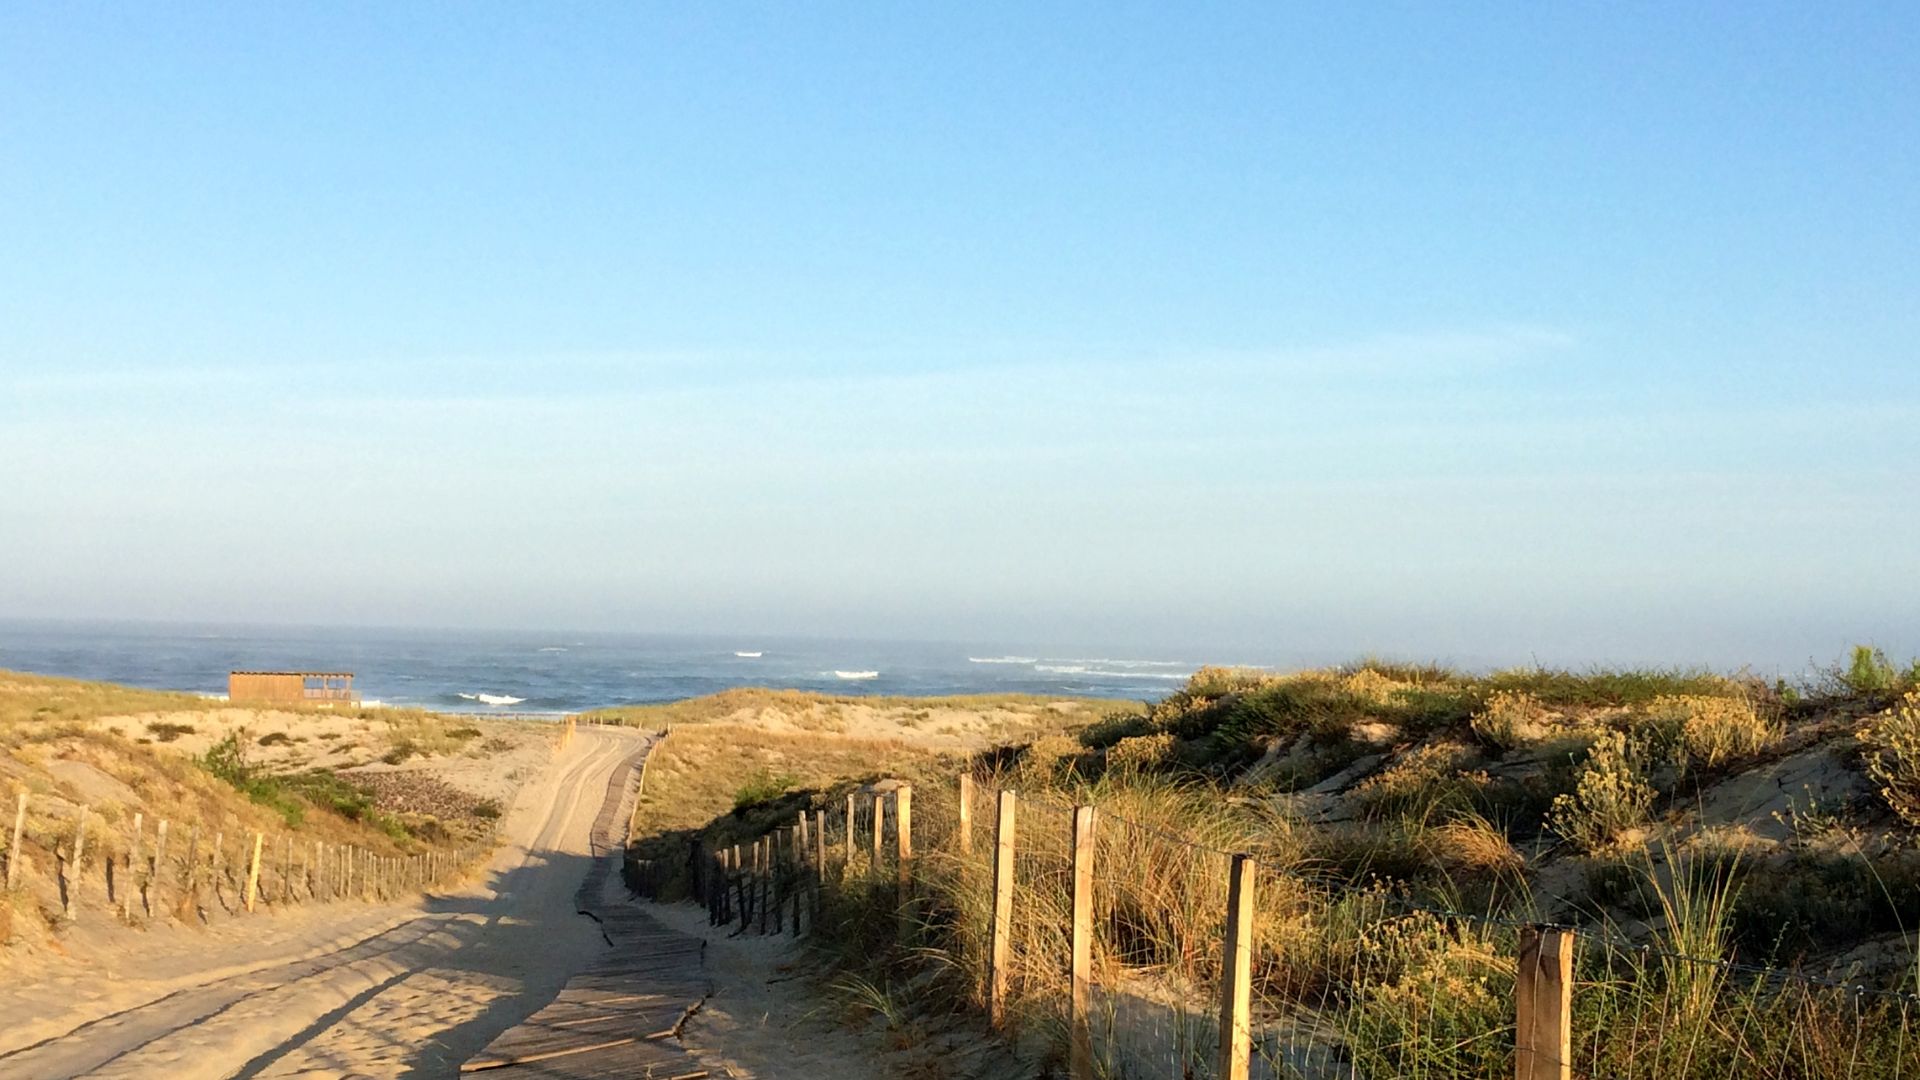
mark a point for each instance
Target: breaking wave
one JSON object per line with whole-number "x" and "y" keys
{"x": 1001, "y": 659}
{"x": 1100, "y": 673}
{"x": 856, "y": 674}
{"x": 493, "y": 699}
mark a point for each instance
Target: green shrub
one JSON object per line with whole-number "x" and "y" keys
{"x": 1433, "y": 778}
{"x": 227, "y": 760}
{"x": 275, "y": 738}
{"x": 1719, "y": 729}
{"x": 1109, "y": 730}
{"x": 401, "y": 750}
{"x": 1605, "y": 686}
{"x": 1893, "y": 758}
{"x": 166, "y": 731}
{"x": 762, "y": 785}
{"x": 1141, "y": 752}
{"x": 1818, "y": 900}
{"x": 1869, "y": 673}
{"x": 1610, "y": 796}
{"x": 1509, "y": 719}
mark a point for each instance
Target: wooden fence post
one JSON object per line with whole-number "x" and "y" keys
{"x": 191, "y": 892}
{"x": 19, "y": 830}
{"x": 848, "y": 861}
{"x": 73, "y": 876}
{"x": 966, "y": 813}
{"x": 819, "y": 860}
{"x": 797, "y": 871}
{"x": 740, "y": 888}
{"x": 1543, "y": 992}
{"x": 1080, "y": 1018}
{"x": 253, "y": 871}
{"x": 1001, "y": 950}
{"x": 776, "y": 875}
{"x": 156, "y": 882}
{"x": 879, "y": 830}
{"x": 764, "y": 860}
{"x": 903, "y": 847}
{"x": 1236, "y": 974}
{"x": 133, "y": 867}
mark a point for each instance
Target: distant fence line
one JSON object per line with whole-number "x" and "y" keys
{"x": 1178, "y": 974}
{"x": 136, "y": 881}
{"x": 138, "y": 876}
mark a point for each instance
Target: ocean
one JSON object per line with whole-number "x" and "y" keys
{"x": 511, "y": 672}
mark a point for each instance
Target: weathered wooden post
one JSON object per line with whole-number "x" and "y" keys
{"x": 157, "y": 881}
{"x": 741, "y": 900}
{"x": 966, "y": 813}
{"x": 15, "y": 853}
{"x": 1543, "y": 992}
{"x": 879, "y": 830}
{"x": 191, "y": 892}
{"x": 777, "y": 851}
{"x": 766, "y": 882}
{"x": 1080, "y": 1018}
{"x": 133, "y": 867}
{"x": 73, "y": 876}
{"x": 819, "y": 860}
{"x": 253, "y": 871}
{"x": 1000, "y": 952}
{"x": 796, "y": 873}
{"x": 1236, "y": 974}
{"x": 848, "y": 861}
{"x": 903, "y": 851}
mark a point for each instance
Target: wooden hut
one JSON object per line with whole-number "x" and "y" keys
{"x": 291, "y": 688}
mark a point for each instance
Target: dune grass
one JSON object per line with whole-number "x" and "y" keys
{"x": 1355, "y": 972}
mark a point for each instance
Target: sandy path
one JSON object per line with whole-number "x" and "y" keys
{"x": 343, "y": 989}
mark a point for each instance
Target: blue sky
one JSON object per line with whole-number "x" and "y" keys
{"x": 1582, "y": 334}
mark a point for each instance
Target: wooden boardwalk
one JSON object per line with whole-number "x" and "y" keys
{"x": 621, "y": 1016}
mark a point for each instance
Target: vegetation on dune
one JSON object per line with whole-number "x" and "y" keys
{"x": 45, "y": 699}
{"x": 1376, "y": 796}
{"x": 732, "y": 705}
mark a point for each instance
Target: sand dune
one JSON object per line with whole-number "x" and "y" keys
{"x": 374, "y": 990}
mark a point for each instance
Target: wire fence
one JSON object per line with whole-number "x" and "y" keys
{"x": 1113, "y": 939}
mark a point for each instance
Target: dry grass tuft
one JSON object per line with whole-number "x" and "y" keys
{"x": 1893, "y": 759}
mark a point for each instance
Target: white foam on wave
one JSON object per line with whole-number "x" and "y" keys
{"x": 1001, "y": 659}
{"x": 749, "y": 655}
{"x": 1100, "y": 673}
{"x": 552, "y": 648}
{"x": 1112, "y": 663}
{"x": 493, "y": 699}
{"x": 856, "y": 674}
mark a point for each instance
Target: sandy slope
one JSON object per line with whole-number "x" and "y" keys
{"x": 388, "y": 990}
